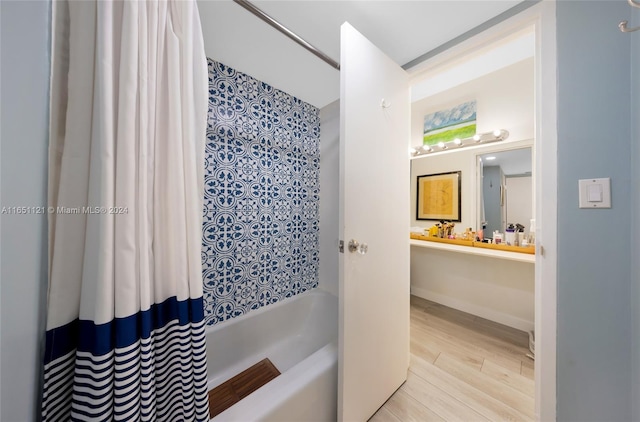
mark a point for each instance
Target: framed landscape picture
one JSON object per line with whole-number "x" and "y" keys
{"x": 449, "y": 124}
{"x": 439, "y": 196}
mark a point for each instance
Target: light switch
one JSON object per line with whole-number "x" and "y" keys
{"x": 594, "y": 193}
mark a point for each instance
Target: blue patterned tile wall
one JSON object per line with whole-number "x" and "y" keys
{"x": 261, "y": 205}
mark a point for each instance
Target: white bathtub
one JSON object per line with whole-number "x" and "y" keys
{"x": 299, "y": 336}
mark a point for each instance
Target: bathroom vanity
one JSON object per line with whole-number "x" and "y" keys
{"x": 495, "y": 285}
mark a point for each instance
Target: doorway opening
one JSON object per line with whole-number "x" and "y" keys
{"x": 509, "y": 71}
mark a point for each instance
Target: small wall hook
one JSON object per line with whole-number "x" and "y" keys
{"x": 623, "y": 27}
{"x": 385, "y": 104}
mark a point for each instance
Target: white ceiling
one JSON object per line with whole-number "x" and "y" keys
{"x": 404, "y": 30}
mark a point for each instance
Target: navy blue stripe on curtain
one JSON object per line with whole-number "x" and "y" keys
{"x": 150, "y": 366}
{"x": 99, "y": 339}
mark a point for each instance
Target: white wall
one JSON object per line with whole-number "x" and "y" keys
{"x": 499, "y": 290}
{"x": 594, "y": 336}
{"x": 329, "y": 185}
{"x": 235, "y": 37}
{"x": 25, "y": 98}
{"x": 504, "y": 101}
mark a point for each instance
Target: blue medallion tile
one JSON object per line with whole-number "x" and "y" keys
{"x": 261, "y": 195}
{"x": 248, "y": 87}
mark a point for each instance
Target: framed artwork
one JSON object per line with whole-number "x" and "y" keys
{"x": 439, "y": 196}
{"x": 446, "y": 125}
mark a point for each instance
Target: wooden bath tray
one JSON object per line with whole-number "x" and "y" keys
{"x": 440, "y": 240}
{"x": 240, "y": 386}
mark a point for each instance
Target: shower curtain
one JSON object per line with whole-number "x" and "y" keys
{"x": 125, "y": 332}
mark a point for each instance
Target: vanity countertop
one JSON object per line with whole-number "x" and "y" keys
{"x": 493, "y": 253}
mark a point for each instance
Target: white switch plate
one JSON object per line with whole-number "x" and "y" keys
{"x": 600, "y": 186}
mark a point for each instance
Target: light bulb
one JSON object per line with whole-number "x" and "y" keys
{"x": 476, "y": 137}
{"x": 497, "y": 132}
{"x": 457, "y": 141}
{"x": 441, "y": 145}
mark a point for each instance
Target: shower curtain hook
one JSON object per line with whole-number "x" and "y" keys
{"x": 385, "y": 104}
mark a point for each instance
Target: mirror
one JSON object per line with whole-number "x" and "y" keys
{"x": 512, "y": 158}
{"x": 506, "y": 187}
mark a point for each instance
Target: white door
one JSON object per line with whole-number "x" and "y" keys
{"x": 374, "y": 210}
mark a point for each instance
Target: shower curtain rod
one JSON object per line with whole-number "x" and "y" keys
{"x": 286, "y": 31}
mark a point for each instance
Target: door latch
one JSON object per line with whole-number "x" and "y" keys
{"x": 354, "y": 246}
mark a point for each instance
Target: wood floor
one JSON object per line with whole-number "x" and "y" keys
{"x": 463, "y": 368}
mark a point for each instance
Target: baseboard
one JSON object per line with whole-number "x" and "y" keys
{"x": 481, "y": 311}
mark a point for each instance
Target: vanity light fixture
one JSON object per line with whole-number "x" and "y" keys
{"x": 490, "y": 158}
{"x": 478, "y": 138}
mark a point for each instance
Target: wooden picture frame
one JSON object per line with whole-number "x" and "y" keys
{"x": 439, "y": 196}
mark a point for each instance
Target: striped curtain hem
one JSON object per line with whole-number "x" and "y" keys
{"x": 150, "y": 366}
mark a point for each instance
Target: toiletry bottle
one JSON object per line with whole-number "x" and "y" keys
{"x": 519, "y": 234}
{"x": 510, "y": 235}
{"x": 532, "y": 231}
